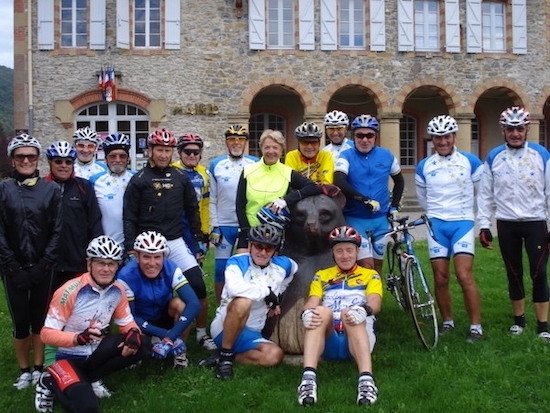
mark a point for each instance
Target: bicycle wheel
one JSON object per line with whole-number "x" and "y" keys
{"x": 422, "y": 304}
{"x": 395, "y": 282}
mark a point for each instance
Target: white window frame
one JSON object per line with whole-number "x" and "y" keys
{"x": 148, "y": 22}
{"x": 423, "y": 22}
{"x": 284, "y": 31}
{"x": 493, "y": 35}
{"x": 260, "y": 122}
{"x": 354, "y": 18}
{"x": 75, "y": 23}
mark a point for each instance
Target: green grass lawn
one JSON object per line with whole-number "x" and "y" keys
{"x": 501, "y": 373}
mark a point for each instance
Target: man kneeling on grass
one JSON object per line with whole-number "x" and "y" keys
{"x": 253, "y": 283}
{"x": 78, "y": 324}
{"x": 161, "y": 299}
{"x": 339, "y": 317}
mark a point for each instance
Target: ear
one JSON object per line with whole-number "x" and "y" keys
{"x": 89, "y": 264}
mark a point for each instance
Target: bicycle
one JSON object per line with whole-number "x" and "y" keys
{"x": 406, "y": 280}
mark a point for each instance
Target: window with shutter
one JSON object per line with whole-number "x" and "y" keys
{"x": 45, "y": 25}
{"x": 426, "y": 25}
{"x": 351, "y": 24}
{"x": 280, "y": 24}
{"x": 377, "y": 25}
{"x": 307, "y": 24}
{"x": 493, "y": 26}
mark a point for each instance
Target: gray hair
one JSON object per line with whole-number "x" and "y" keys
{"x": 276, "y": 135}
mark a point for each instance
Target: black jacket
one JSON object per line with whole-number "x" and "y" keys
{"x": 30, "y": 223}
{"x": 158, "y": 200}
{"x": 81, "y": 222}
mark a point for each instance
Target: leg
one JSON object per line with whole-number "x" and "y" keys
{"x": 463, "y": 267}
{"x": 510, "y": 243}
{"x": 22, "y": 348}
{"x": 440, "y": 269}
{"x": 359, "y": 346}
{"x": 238, "y": 311}
{"x": 266, "y": 354}
{"x": 314, "y": 339}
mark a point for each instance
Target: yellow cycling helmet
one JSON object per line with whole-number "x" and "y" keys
{"x": 236, "y": 130}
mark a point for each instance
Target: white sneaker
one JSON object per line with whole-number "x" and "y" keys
{"x": 100, "y": 390}
{"x": 207, "y": 343}
{"x": 23, "y": 381}
{"x": 181, "y": 361}
{"x": 307, "y": 392}
{"x": 35, "y": 376}
{"x": 516, "y": 330}
{"x": 367, "y": 392}
{"x": 43, "y": 396}
{"x": 545, "y": 336}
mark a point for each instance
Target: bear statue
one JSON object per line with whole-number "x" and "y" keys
{"x": 306, "y": 242}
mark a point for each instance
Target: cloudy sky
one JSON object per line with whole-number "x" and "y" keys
{"x": 6, "y": 33}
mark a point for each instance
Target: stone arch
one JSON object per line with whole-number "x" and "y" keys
{"x": 544, "y": 99}
{"x": 514, "y": 92}
{"x": 124, "y": 95}
{"x": 448, "y": 93}
{"x": 252, "y": 90}
{"x": 380, "y": 97}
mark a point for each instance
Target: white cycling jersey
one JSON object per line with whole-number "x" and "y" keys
{"x": 87, "y": 170}
{"x": 515, "y": 185}
{"x": 225, "y": 172}
{"x": 245, "y": 279}
{"x": 109, "y": 189}
{"x": 336, "y": 150}
{"x": 446, "y": 185}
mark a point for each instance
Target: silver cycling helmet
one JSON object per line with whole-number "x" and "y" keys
{"x": 21, "y": 141}
{"x": 308, "y": 130}
{"x": 86, "y": 134}
{"x": 515, "y": 116}
{"x": 151, "y": 242}
{"x": 104, "y": 247}
{"x": 442, "y": 125}
{"x": 336, "y": 118}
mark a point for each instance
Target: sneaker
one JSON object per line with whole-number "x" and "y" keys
{"x": 445, "y": 328}
{"x": 23, "y": 381}
{"x": 181, "y": 361}
{"x": 367, "y": 392}
{"x": 207, "y": 343}
{"x": 210, "y": 361}
{"x": 224, "y": 370}
{"x": 43, "y": 396}
{"x": 516, "y": 330}
{"x": 100, "y": 390}
{"x": 545, "y": 336}
{"x": 35, "y": 376}
{"x": 474, "y": 336}
{"x": 307, "y": 392}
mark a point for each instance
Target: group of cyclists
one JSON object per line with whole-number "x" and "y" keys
{"x": 93, "y": 243}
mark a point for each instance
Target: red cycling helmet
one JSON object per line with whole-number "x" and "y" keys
{"x": 188, "y": 139}
{"x": 344, "y": 234}
{"x": 161, "y": 137}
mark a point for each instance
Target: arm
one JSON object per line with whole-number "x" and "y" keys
{"x": 302, "y": 188}
{"x": 398, "y": 188}
{"x": 241, "y": 204}
{"x": 95, "y": 227}
{"x": 192, "y": 308}
{"x": 485, "y": 199}
{"x": 52, "y": 247}
{"x": 326, "y": 167}
{"x": 213, "y": 199}
{"x": 341, "y": 181}
{"x": 130, "y": 213}
{"x": 421, "y": 192}
{"x": 237, "y": 286}
{"x": 191, "y": 207}
{"x": 145, "y": 326}
{"x": 374, "y": 301}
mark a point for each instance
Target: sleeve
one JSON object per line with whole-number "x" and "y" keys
{"x": 123, "y": 315}
{"x": 237, "y": 286}
{"x": 213, "y": 199}
{"x": 374, "y": 286}
{"x": 204, "y": 204}
{"x": 130, "y": 213}
{"x": 95, "y": 228}
{"x": 341, "y": 181}
{"x": 302, "y": 187}
{"x": 191, "y": 207}
{"x": 316, "y": 287}
{"x": 485, "y": 201}
{"x": 326, "y": 168}
{"x": 190, "y": 312}
{"x": 291, "y": 271}
{"x": 547, "y": 192}
{"x": 52, "y": 332}
{"x": 52, "y": 247}
{"x": 7, "y": 255}
{"x": 421, "y": 188}
{"x": 241, "y": 204}
{"x": 398, "y": 188}
{"x": 145, "y": 326}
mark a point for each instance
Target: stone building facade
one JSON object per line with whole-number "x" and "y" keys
{"x": 198, "y": 66}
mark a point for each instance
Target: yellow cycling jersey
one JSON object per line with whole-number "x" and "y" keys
{"x": 339, "y": 290}
{"x": 321, "y": 170}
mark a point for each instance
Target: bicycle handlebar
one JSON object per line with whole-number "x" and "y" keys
{"x": 403, "y": 225}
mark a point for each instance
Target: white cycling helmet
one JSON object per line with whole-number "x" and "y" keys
{"x": 336, "y": 118}
{"x": 308, "y": 130}
{"x": 151, "y": 242}
{"x": 61, "y": 149}
{"x": 442, "y": 125}
{"x": 21, "y": 141}
{"x": 515, "y": 116}
{"x": 104, "y": 247}
{"x": 86, "y": 134}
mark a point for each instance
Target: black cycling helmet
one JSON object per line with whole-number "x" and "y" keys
{"x": 344, "y": 233}
{"x": 266, "y": 234}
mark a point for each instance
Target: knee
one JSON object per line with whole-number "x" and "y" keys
{"x": 273, "y": 356}
{"x": 324, "y": 312}
{"x": 194, "y": 276}
{"x": 239, "y": 307}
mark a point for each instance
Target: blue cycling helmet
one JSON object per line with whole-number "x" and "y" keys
{"x": 114, "y": 141}
{"x": 280, "y": 220}
{"x": 365, "y": 121}
{"x": 61, "y": 149}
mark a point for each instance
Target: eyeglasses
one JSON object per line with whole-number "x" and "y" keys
{"x": 519, "y": 128}
{"x": 122, "y": 156}
{"x": 190, "y": 152}
{"x": 61, "y": 161}
{"x": 82, "y": 145}
{"x": 235, "y": 140}
{"x": 369, "y": 135}
{"x": 335, "y": 128}
{"x": 309, "y": 143}
{"x": 110, "y": 264}
{"x": 20, "y": 157}
{"x": 265, "y": 247}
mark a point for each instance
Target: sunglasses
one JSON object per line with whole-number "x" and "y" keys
{"x": 265, "y": 247}
{"x": 369, "y": 135}
{"x": 520, "y": 128}
{"x": 20, "y": 157}
{"x": 335, "y": 127}
{"x": 235, "y": 140}
{"x": 81, "y": 145}
{"x": 61, "y": 161}
{"x": 190, "y": 152}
